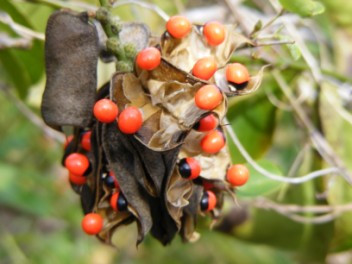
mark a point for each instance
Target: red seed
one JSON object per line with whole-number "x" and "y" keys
{"x": 105, "y": 111}
{"x": 204, "y": 68}
{"x": 76, "y": 179}
{"x": 214, "y": 33}
{"x": 207, "y": 123}
{"x": 77, "y": 163}
{"x": 237, "y": 175}
{"x": 237, "y": 73}
{"x": 208, "y": 97}
{"x": 178, "y": 26}
{"x": 213, "y": 142}
{"x": 92, "y": 223}
{"x": 148, "y": 59}
{"x": 85, "y": 141}
{"x": 130, "y": 120}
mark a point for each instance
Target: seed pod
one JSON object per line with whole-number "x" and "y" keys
{"x": 71, "y": 55}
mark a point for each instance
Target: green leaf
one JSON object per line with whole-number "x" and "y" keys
{"x": 17, "y": 192}
{"x": 304, "y": 8}
{"x": 253, "y": 120}
{"x": 269, "y": 227}
{"x": 23, "y": 67}
{"x": 258, "y": 184}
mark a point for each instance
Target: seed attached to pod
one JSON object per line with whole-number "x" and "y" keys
{"x": 118, "y": 202}
{"x": 77, "y": 164}
{"x": 204, "y": 68}
{"x": 189, "y": 168}
{"x": 148, "y": 58}
{"x": 111, "y": 181}
{"x": 207, "y": 123}
{"x": 237, "y": 74}
{"x": 130, "y": 120}
{"x": 105, "y": 110}
{"x": 214, "y": 33}
{"x": 85, "y": 140}
{"x": 237, "y": 175}
{"x": 213, "y": 142}
{"x": 208, "y": 201}
{"x": 76, "y": 179}
{"x": 208, "y": 97}
{"x": 92, "y": 223}
{"x": 178, "y": 26}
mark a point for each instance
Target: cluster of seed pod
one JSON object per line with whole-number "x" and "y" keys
{"x": 154, "y": 150}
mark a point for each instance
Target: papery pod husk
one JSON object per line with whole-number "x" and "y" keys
{"x": 174, "y": 90}
{"x": 214, "y": 166}
{"x": 184, "y": 53}
{"x": 177, "y": 192}
{"x": 231, "y": 90}
{"x": 165, "y": 95}
{"x": 71, "y": 56}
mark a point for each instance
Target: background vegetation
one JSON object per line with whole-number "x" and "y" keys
{"x": 298, "y": 123}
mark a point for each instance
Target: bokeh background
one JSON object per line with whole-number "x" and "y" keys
{"x": 273, "y": 221}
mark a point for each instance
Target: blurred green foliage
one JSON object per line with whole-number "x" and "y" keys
{"x": 40, "y": 214}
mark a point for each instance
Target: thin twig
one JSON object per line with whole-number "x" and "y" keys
{"x": 277, "y": 102}
{"x": 6, "y": 41}
{"x": 152, "y": 7}
{"x": 19, "y": 29}
{"x": 306, "y": 54}
{"x": 31, "y": 116}
{"x": 268, "y": 174}
{"x": 319, "y": 142}
{"x": 274, "y": 42}
{"x": 239, "y": 18}
{"x": 292, "y": 211}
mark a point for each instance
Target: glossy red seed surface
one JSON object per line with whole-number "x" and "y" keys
{"x": 237, "y": 73}
{"x": 204, "y": 68}
{"x": 130, "y": 120}
{"x": 77, "y": 163}
{"x": 178, "y": 26}
{"x": 208, "y": 97}
{"x": 195, "y": 168}
{"x": 148, "y": 58}
{"x": 214, "y": 33}
{"x": 76, "y": 179}
{"x": 105, "y": 111}
{"x": 211, "y": 200}
{"x": 207, "y": 123}
{"x": 237, "y": 175}
{"x": 213, "y": 142}
{"x": 92, "y": 223}
{"x": 85, "y": 141}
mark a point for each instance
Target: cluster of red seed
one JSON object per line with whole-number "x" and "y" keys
{"x": 130, "y": 121}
